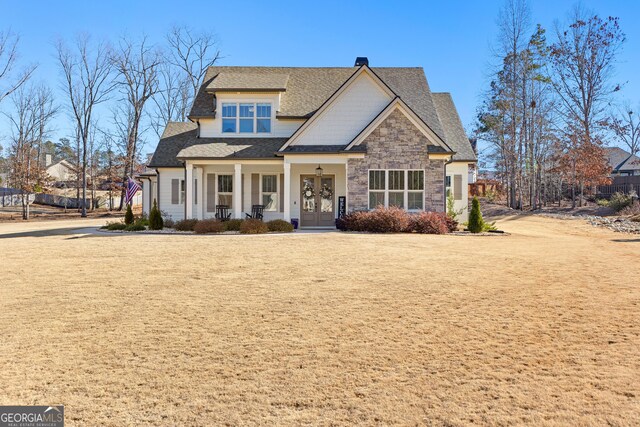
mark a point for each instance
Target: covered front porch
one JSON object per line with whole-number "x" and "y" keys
{"x": 307, "y": 188}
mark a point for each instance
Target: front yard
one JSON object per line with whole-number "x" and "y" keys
{"x": 541, "y": 327}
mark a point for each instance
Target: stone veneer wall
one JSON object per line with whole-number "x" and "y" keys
{"x": 395, "y": 144}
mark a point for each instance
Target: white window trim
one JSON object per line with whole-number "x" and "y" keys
{"x": 406, "y": 190}
{"x": 277, "y": 190}
{"x": 255, "y": 118}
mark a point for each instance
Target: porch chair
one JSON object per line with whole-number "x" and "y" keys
{"x": 222, "y": 212}
{"x": 256, "y": 212}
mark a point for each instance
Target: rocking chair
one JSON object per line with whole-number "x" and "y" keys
{"x": 222, "y": 212}
{"x": 256, "y": 212}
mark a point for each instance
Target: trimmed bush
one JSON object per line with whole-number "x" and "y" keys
{"x": 253, "y": 226}
{"x": 619, "y": 201}
{"x": 155, "y": 218}
{"x": 429, "y": 223}
{"x": 476, "y": 223}
{"x": 142, "y": 221}
{"x": 207, "y": 226}
{"x": 135, "y": 227}
{"x": 233, "y": 224}
{"x": 380, "y": 220}
{"x": 452, "y": 224}
{"x": 280, "y": 225}
{"x": 185, "y": 225}
{"x": 115, "y": 226}
{"x": 128, "y": 216}
{"x": 168, "y": 222}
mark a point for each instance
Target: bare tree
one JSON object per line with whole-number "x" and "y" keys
{"x": 137, "y": 79}
{"x": 192, "y": 53}
{"x": 86, "y": 80}
{"x": 583, "y": 60}
{"x": 187, "y": 58}
{"x": 172, "y": 101}
{"x": 8, "y": 61}
{"x": 625, "y": 124}
{"x": 33, "y": 110}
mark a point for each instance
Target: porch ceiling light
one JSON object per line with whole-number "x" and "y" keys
{"x": 318, "y": 171}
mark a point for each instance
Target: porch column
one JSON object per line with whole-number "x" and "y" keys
{"x": 286, "y": 191}
{"x": 237, "y": 191}
{"x": 200, "y": 178}
{"x": 188, "y": 191}
{"x": 346, "y": 186}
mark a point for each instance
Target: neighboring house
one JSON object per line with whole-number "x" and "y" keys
{"x": 306, "y": 142}
{"x": 61, "y": 171}
{"x": 622, "y": 162}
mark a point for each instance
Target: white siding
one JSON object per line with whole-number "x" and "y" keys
{"x": 166, "y": 175}
{"x": 212, "y": 128}
{"x": 351, "y": 112}
{"x": 460, "y": 168}
{"x": 146, "y": 189}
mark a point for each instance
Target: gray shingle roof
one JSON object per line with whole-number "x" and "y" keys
{"x": 249, "y": 81}
{"x": 620, "y": 159}
{"x": 314, "y": 148}
{"x": 175, "y": 136}
{"x": 455, "y": 135}
{"x": 308, "y": 88}
{"x": 231, "y": 148}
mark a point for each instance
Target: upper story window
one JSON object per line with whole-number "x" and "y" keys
{"x": 246, "y": 117}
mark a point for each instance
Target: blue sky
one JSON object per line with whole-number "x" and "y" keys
{"x": 450, "y": 39}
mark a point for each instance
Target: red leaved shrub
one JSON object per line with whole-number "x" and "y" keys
{"x": 207, "y": 226}
{"x": 380, "y": 220}
{"x": 396, "y": 220}
{"x": 429, "y": 223}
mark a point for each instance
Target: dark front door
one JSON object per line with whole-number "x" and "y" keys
{"x": 317, "y": 201}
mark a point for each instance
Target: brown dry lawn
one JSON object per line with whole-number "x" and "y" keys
{"x": 541, "y": 327}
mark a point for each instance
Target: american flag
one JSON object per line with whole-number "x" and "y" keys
{"x": 132, "y": 189}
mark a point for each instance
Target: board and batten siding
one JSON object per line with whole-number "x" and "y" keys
{"x": 459, "y": 177}
{"x": 166, "y": 175}
{"x": 212, "y": 128}
{"x": 347, "y": 115}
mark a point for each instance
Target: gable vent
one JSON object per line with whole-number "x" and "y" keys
{"x": 362, "y": 60}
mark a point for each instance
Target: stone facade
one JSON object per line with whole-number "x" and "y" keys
{"x": 395, "y": 144}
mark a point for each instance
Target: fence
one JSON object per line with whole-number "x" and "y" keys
{"x": 73, "y": 202}
{"x": 12, "y": 197}
{"x": 620, "y": 184}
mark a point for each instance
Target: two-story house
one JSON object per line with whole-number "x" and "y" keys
{"x": 309, "y": 142}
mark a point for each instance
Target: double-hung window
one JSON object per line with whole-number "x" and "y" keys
{"x": 247, "y": 113}
{"x": 415, "y": 190}
{"x": 270, "y": 192}
{"x": 377, "y": 187}
{"x": 396, "y": 188}
{"x": 229, "y": 117}
{"x": 246, "y": 117}
{"x": 263, "y": 120}
{"x": 225, "y": 190}
{"x": 400, "y": 188}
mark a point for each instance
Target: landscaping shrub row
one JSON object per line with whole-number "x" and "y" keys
{"x": 205, "y": 226}
{"x": 396, "y": 220}
{"x": 244, "y": 226}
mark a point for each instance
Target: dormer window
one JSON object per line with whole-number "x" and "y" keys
{"x": 246, "y": 117}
